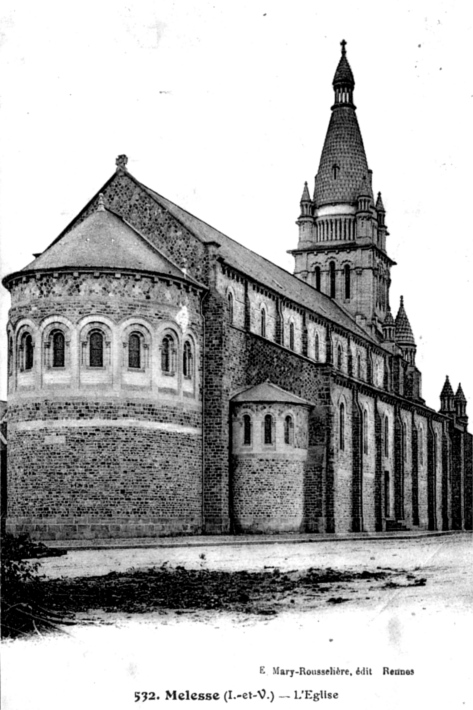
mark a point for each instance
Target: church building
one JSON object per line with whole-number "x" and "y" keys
{"x": 163, "y": 379}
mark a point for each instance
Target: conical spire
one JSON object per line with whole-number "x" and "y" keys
{"x": 344, "y": 75}
{"x": 459, "y": 396}
{"x": 379, "y": 203}
{"x": 305, "y": 194}
{"x": 447, "y": 404}
{"x": 343, "y": 161}
{"x": 447, "y": 389}
{"x": 404, "y": 334}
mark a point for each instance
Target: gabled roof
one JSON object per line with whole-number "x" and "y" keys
{"x": 260, "y": 269}
{"x": 267, "y": 392}
{"x": 104, "y": 240}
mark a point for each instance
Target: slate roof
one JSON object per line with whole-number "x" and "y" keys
{"x": 403, "y": 332}
{"x": 267, "y": 392}
{"x": 447, "y": 389}
{"x": 459, "y": 395}
{"x": 104, "y": 240}
{"x": 344, "y": 75}
{"x": 343, "y": 147}
{"x": 260, "y": 269}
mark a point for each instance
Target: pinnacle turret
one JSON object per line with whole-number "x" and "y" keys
{"x": 404, "y": 334}
{"x": 305, "y": 194}
{"x": 447, "y": 403}
{"x": 379, "y": 204}
{"x": 460, "y": 406}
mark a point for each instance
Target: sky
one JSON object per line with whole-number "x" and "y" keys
{"x": 223, "y": 107}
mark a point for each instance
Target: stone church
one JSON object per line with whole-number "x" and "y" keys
{"x": 163, "y": 379}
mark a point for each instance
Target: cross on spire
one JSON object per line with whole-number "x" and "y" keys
{"x": 344, "y": 44}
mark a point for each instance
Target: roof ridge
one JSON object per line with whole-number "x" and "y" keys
{"x": 155, "y": 194}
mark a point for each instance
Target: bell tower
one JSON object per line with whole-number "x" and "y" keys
{"x": 342, "y": 230}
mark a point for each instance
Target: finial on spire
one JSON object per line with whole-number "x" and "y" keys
{"x": 402, "y": 300}
{"x": 121, "y": 162}
{"x": 101, "y": 204}
{"x": 344, "y": 44}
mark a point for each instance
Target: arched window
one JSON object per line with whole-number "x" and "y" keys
{"x": 134, "y": 351}
{"x": 168, "y": 353}
{"x": 386, "y": 436}
{"x": 247, "y": 429}
{"x": 230, "y": 306}
{"x": 365, "y": 431}
{"x": 96, "y": 349}
{"x": 187, "y": 360}
{"x": 291, "y": 336}
{"x": 10, "y": 355}
{"x": 58, "y": 343}
{"x": 404, "y": 441}
{"x": 347, "y": 274}
{"x": 332, "y": 279}
{"x": 342, "y": 426}
{"x": 317, "y": 277}
{"x": 27, "y": 352}
{"x": 339, "y": 356}
{"x": 268, "y": 429}
{"x": 335, "y": 170}
{"x": 288, "y": 431}
{"x": 263, "y": 322}
{"x": 317, "y": 347}
{"x": 358, "y": 366}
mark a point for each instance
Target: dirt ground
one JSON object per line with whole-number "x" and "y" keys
{"x": 391, "y": 622}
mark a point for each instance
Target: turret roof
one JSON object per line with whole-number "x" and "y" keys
{"x": 305, "y": 194}
{"x": 459, "y": 396}
{"x": 343, "y": 150}
{"x": 447, "y": 389}
{"x": 389, "y": 320}
{"x": 379, "y": 203}
{"x": 403, "y": 333}
{"x": 344, "y": 75}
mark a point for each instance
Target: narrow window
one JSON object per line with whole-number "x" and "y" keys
{"x": 358, "y": 366}
{"x": 263, "y": 323}
{"x": 291, "y": 336}
{"x": 268, "y": 429}
{"x": 339, "y": 357}
{"x": 342, "y": 427}
{"x": 27, "y": 352}
{"x": 230, "y": 307}
{"x": 335, "y": 170}
{"x": 387, "y": 502}
{"x": 96, "y": 349}
{"x": 10, "y": 355}
{"x": 58, "y": 349}
{"x": 288, "y": 431}
{"x": 421, "y": 447}
{"x": 365, "y": 431}
{"x": 317, "y": 278}
{"x": 167, "y": 355}
{"x": 134, "y": 351}
{"x": 386, "y": 436}
{"x": 316, "y": 348}
{"x": 332, "y": 279}
{"x": 187, "y": 365}
{"x": 404, "y": 441}
{"x": 347, "y": 281}
{"x": 246, "y": 429}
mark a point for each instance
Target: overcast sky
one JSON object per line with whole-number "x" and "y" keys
{"x": 223, "y": 107}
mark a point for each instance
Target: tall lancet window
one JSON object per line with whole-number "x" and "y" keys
{"x": 317, "y": 277}
{"x": 347, "y": 274}
{"x": 263, "y": 322}
{"x": 58, "y": 349}
{"x": 332, "y": 279}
